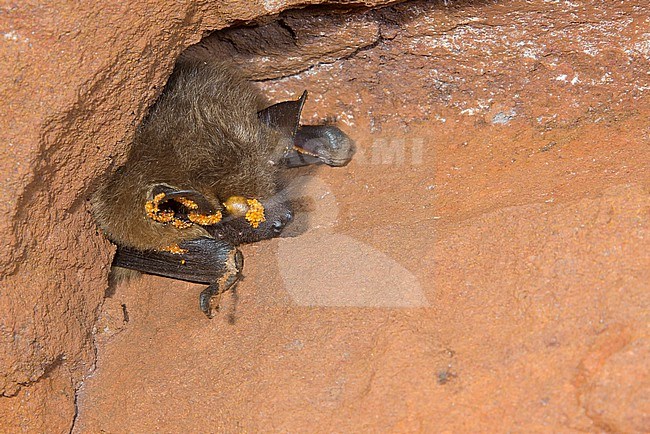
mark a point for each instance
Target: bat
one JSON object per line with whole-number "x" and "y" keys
{"x": 203, "y": 176}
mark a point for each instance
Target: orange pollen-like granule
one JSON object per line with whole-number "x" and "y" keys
{"x": 175, "y": 249}
{"x": 163, "y": 217}
{"x": 153, "y": 212}
{"x": 255, "y": 213}
{"x": 152, "y": 208}
{"x": 180, "y": 224}
{"x": 187, "y": 203}
{"x": 205, "y": 220}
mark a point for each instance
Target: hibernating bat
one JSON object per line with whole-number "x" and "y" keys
{"x": 202, "y": 177}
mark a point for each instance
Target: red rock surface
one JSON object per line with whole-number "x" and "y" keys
{"x": 501, "y": 189}
{"x": 76, "y": 80}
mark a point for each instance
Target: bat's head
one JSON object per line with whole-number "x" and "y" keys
{"x": 237, "y": 220}
{"x": 207, "y": 158}
{"x": 249, "y": 220}
{"x": 254, "y": 210}
{"x": 209, "y": 145}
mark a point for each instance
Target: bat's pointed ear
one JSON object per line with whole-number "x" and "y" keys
{"x": 284, "y": 116}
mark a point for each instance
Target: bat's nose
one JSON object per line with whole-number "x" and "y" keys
{"x": 280, "y": 223}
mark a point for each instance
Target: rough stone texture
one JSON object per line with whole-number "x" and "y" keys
{"x": 613, "y": 395}
{"x": 76, "y": 79}
{"x": 296, "y": 41}
{"x": 503, "y": 165}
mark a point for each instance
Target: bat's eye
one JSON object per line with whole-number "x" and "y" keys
{"x": 278, "y": 225}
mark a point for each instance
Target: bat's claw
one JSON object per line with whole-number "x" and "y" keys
{"x": 209, "y": 300}
{"x": 211, "y": 296}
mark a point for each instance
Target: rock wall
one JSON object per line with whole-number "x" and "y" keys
{"x": 502, "y": 163}
{"x": 76, "y": 80}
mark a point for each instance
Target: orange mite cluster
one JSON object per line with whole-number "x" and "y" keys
{"x": 255, "y": 214}
{"x": 154, "y": 212}
{"x": 204, "y": 220}
{"x": 187, "y": 203}
{"x": 152, "y": 208}
{"x": 251, "y": 209}
{"x": 237, "y": 206}
{"x": 175, "y": 249}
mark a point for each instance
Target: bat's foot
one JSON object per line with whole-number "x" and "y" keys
{"x": 211, "y": 296}
{"x": 203, "y": 260}
{"x": 209, "y": 300}
{"x": 320, "y": 144}
{"x": 309, "y": 144}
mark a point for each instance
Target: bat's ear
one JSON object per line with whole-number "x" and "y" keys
{"x": 170, "y": 204}
{"x": 284, "y": 116}
{"x": 185, "y": 197}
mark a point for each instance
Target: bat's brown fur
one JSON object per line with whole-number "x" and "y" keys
{"x": 202, "y": 134}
